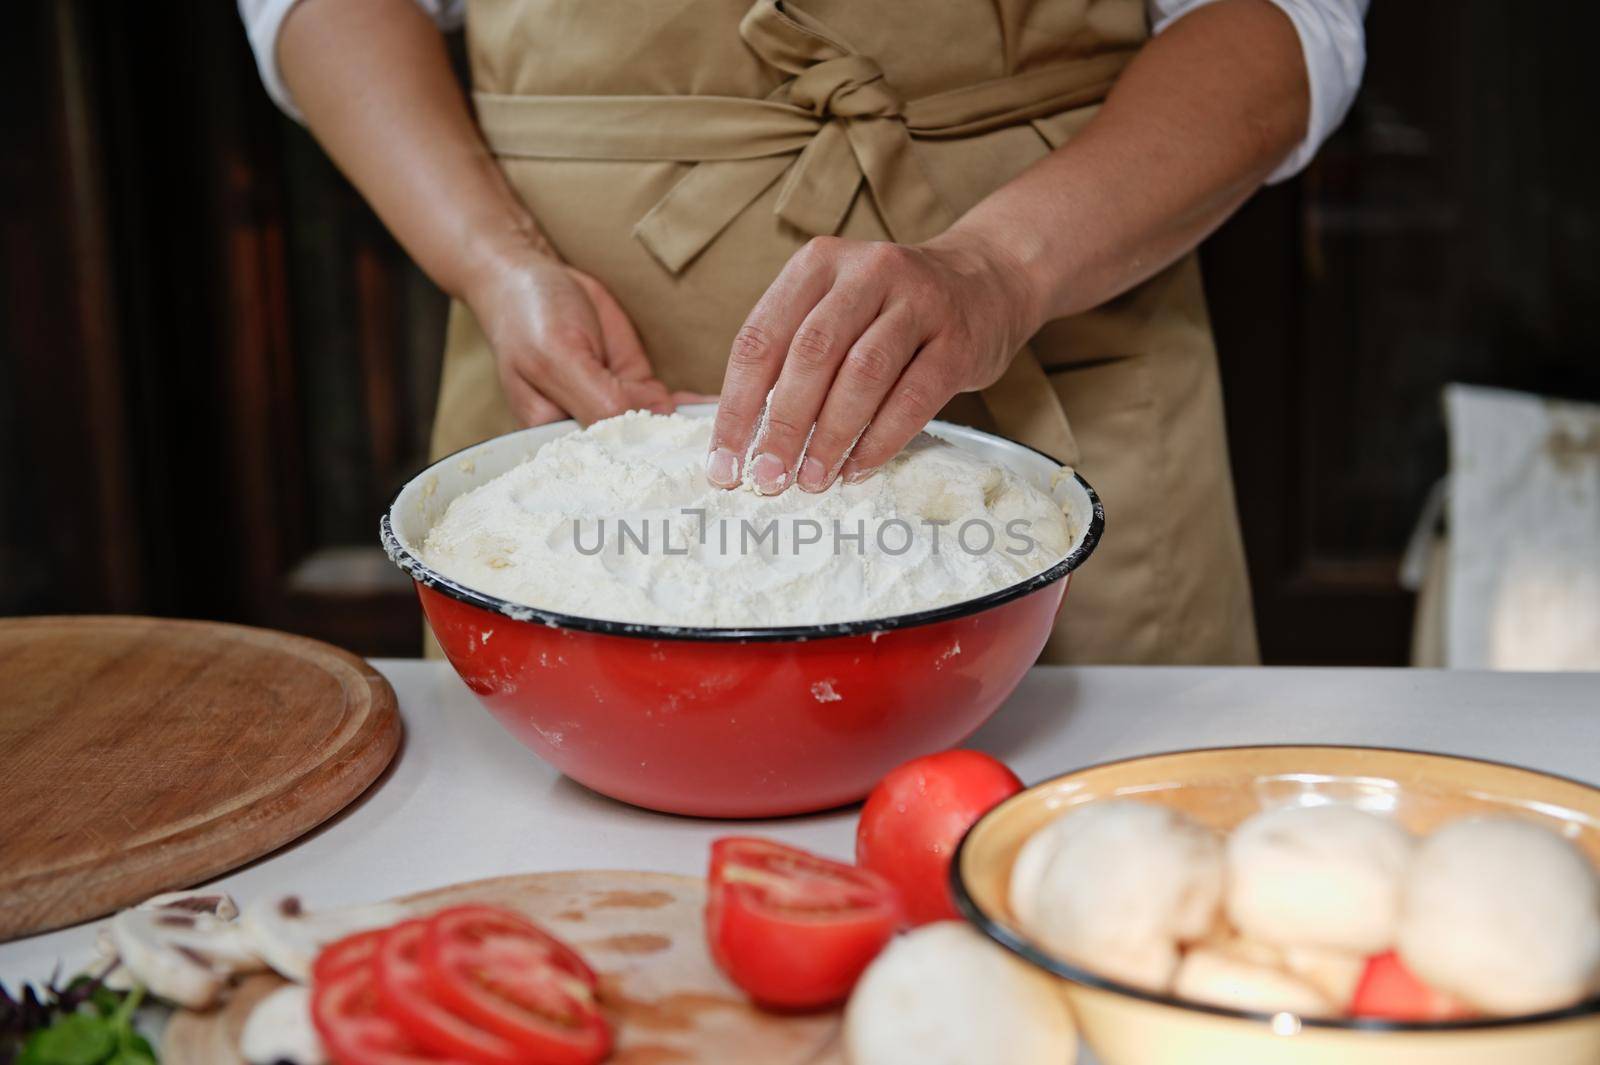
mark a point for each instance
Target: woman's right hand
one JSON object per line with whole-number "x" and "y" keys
{"x": 563, "y": 346}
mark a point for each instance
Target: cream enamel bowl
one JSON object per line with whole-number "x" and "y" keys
{"x": 1220, "y": 788}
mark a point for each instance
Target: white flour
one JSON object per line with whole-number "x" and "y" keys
{"x": 619, "y": 522}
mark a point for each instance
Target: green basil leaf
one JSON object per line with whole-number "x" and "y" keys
{"x": 79, "y": 1039}
{"x": 133, "y": 1056}
{"x": 27, "y": 1056}
{"x": 105, "y": 1001}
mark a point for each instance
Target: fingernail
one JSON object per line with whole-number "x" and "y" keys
{"x": 857, "y": 474}
{"x": 813, "y": 475}
{"x": 722, "y": 468}
{"x": 771, "y": 476}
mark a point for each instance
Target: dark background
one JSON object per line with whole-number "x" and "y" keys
{"x": 216, "y": 368}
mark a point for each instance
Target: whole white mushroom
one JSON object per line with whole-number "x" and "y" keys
{"x": 1116, "y": 886}
{"x": 1504, "y": 914}
{"x": 1318, "y": 876}
{"x": 945, "y": 995}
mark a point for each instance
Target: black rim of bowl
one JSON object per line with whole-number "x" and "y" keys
{"x": 420, "y": 572}
{"x": 1024, "y": 948}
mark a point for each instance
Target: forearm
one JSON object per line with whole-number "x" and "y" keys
{"x": 374, "y": 82}
{"x": 1193, "y": 126}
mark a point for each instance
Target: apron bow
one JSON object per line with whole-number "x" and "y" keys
{"x": 833, "y": 123}
{"x": 851, "y": 86}
{"x": 861, "y": 133}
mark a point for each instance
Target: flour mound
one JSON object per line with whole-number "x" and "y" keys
{"x": 619, "y": 522}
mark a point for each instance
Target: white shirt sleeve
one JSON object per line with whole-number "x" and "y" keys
{"x": 263, "y": 19}
{"x": 1331, "y": 37}
{"x": 1335, "y": 46}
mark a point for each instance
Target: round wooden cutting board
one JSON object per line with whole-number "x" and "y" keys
{"x": 139, "y": 755}
{"x": 643, "y": 933}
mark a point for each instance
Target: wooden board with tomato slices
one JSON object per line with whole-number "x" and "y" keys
{"x": 642, "y": 934}
{"x": 751, "y": 966}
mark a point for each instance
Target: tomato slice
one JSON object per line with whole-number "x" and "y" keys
{"x": 1390, "y": 991}
{"x": 352, "y": 1026}
{"x": 405, "y": 994}
{"x": 916, "y": 816}
{"x": 792, "y": 929}
{"x": 351, "y": 952}
{"x": 510, "y": 977}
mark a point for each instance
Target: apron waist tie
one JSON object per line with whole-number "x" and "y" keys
{"x": 835, "y": 123}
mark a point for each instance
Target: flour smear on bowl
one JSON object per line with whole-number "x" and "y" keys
{"x": 619, "y": 522}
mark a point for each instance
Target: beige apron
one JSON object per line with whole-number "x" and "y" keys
{"x": 682, "y": 151}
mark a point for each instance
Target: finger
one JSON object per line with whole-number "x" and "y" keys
{"x": 572, "y": 372}
{"x": 818, "y": 347}
{"x": 621, "y": 347}
{"x": 649, "y": 395}
{"x": 917, "y": 396}
{"x": 758, "y": 351}
{"x": 626, "y": 359}
{"x": 629, "y": 397}
{"x": 681, "y": 397}
{"x": 621, "y": 350}
{"x": 528, "y": 405}
{"x": 870, "y": 369}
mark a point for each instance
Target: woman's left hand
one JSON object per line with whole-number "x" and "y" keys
{"x": 866, "y": 341}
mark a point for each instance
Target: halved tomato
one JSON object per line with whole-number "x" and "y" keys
{"x": 510, "y": 977}
{"x": 1390, "y": 991}
{"x": 794, "y": 930}
{"x": 352, "y": 1026}
{"x": 405, "y": 994}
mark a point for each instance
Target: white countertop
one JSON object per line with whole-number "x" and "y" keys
{"x": 463, "y": 801}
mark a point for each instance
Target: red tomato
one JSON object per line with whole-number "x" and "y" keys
{"x": 346, "y": 1014}
{"x": 793, "y": 930}
{"x": 916, "y": 816}
{"x": 351, "y": 952}
{"x": 507, "y": 975}
{"x": 1390, "y": 991}
{"x": 404, "y": 994}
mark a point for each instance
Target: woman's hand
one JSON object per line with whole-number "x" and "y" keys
{"x": 375, "y": 84}
{"x": 562, "y": 344}
{"x": 874, "y": 338}
{"x": 865, "y": 340}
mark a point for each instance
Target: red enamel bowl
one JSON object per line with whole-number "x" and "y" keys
{"x": 724, "y": 722}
